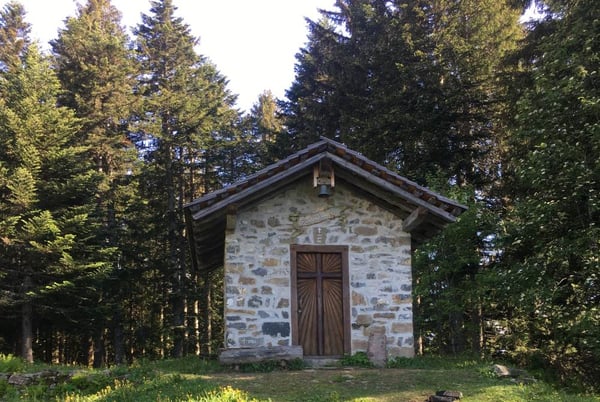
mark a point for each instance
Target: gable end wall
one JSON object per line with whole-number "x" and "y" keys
{"x": 257, "y": 267}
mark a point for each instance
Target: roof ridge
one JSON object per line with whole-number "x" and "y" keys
{"x": 321, "y": 146}
{"x": 257, "y": 174}
{"x": 207, "y": 216}
{"x": 393, "y": 173}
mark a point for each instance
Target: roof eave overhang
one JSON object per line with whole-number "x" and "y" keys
{"x": 261, "y": 189}
{"x": 426, "y": 212}
{"x": 393, "y": 190}
{"x": 274, "y": 183}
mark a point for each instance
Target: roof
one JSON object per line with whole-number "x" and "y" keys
{"x": 424, "y": 211}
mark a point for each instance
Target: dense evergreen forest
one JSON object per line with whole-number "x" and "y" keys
{"x": 106, "y": 137}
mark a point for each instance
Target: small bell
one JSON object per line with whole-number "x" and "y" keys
{"x": 324, "y": 190}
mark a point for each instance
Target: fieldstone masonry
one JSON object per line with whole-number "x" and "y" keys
{"x": 257, "y": 267}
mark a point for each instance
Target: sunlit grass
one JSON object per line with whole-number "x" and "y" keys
{"x": 193, "y": 379}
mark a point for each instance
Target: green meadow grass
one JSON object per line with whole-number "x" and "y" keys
{"x": 194, "y": 379}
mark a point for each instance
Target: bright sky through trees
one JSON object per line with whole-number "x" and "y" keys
{"x": 252, "y": 43}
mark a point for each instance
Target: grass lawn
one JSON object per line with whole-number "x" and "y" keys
{"x": 192, "y": 379}
{"x": 385, "y": 385}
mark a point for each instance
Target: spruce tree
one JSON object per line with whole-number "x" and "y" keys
{"x": 262, "y": 127}
{"x": 46, "y": 190}
{"x": 185, "y": 108}
{"x": 552, "y": 218}
{"x": 415, "y": 85}
{"x": 472, "y": 40}
{"x": 14, "y": 36}
{"x": 97, "y": 72}
{"x": 309, "y": 111}
{"x": 412, "y": 84}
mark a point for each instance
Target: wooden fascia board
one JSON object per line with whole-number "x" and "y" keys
{"x": 361, "y": 161}
{"x": 189, "y": 224}
{"x": 376, "y": 195}
{"x": 392, "y": 188}
{"x": 193, "y": 205}
{"x": 243, "y": 196}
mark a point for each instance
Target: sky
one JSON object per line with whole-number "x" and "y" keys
{"x": 252, "y": 42}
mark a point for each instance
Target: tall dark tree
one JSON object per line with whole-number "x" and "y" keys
{"x": 452, "y": 281}
{"x": 394, "y": 80}
{"x": 367, "y": 78}
{"x": 552, "y": 221}
{"x": 415, "y": 86}
{"x": 14, "y": 36}
{"x": 263, "y": 126}
{"x": 310, "y": 111}
{"x": 249, "y": 145}
{"x": 46, "y": 192}
{"x": 186, "y": 107}
{"x": 472, "y": 40}
{"x": 97, "y": 73}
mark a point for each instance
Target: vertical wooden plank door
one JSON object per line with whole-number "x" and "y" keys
{"x": 319, "y": 280}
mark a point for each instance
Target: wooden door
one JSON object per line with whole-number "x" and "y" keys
{"x": 320, "y": 279}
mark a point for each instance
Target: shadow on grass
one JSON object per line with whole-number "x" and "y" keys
{"x": 194, "y": 379}
{"x": 386, "y": 385}
{"x": 163, "y": 388}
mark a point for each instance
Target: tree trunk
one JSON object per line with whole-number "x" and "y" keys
{"x": 118, "y": 337}
{"x": 161, "y": 326}
{"x": 175, "y": 264}
{"x": 26, "y": 322}
{"x": 206, "y": 339}
{"x": 457, "y": 335}
{"x": 55, "y": 345}
{"x": 89, "y": 361}
{"x": 85, "y": 357}
{"x": 99, "y": 349}
{"x": 197, "y": 348}
{"x": 178, "y": 326}
{"x": 478, "y": 331}
{"x": 27, "y": 332}
{"x": 58, "y": 347}
{"x": 417, "y": 330}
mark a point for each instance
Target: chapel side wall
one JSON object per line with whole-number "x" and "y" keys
{"x": 257, "y": 267}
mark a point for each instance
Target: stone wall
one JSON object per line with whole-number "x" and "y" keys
{"x": 257, "y": 267}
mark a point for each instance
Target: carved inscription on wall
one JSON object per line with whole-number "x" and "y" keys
{"x": 301, "y": 222}
{"x": 320, "y": 235}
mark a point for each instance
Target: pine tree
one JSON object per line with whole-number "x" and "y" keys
{"x": 414, "y": 85}
{"x": 472, "y": 40}
{"x": 552, "y": 219}
{"x": 46, "y": 187}
{"x": 97, "y": 72}
{"x": 309, "y": 111}
{"x": 186, "y": 106}
{"x": 14, "y": 36}
{"x": 363, "y": 79}
{"x": 263, "y": 126}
